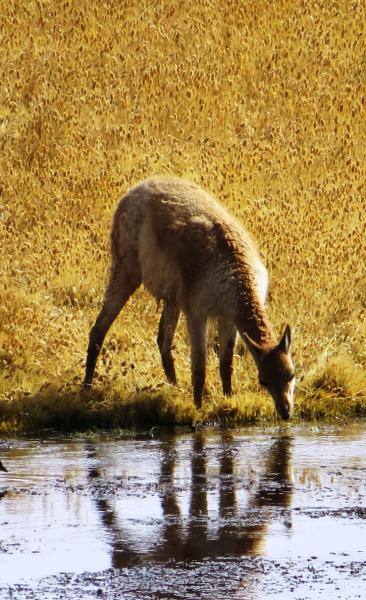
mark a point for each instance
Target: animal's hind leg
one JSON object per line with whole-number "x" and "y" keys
{"x": 120, "y": 288}
{"x": 227, "y": 336}
{"x": 168, "y": 323}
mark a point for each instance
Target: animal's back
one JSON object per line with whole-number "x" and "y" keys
{"x": 185, "y": 242}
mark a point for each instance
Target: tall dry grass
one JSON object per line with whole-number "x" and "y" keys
{"x": 261, "y": 102}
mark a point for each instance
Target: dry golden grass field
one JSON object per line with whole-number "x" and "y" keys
{"x": 263, "y": 102}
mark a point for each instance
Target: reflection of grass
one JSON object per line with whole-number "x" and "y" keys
{"x": 264, "y": 106}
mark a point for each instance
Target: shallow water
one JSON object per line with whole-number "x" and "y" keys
{"x": 275, "y": 513}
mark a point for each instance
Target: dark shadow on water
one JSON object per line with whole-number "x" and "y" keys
{"x": 235, "y": 528}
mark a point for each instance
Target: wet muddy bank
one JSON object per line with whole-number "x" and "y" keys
{"x": 254, "y": 513}
{"x": 250, "y": 578}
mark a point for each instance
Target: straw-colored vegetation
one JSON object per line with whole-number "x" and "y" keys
{"x": 263, "y": 103}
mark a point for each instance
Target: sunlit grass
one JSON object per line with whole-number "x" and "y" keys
{"x": 334, "y": 395}
{"x": 262, "y": 103}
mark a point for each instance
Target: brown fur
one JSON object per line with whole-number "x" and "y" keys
{"x": 188, "y": 251}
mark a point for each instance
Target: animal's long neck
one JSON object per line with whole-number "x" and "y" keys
{"x": 251, "y": 314}
{"x": 254, "y": 321}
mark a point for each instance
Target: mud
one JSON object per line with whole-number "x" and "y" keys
{"x": 254, "y": 514}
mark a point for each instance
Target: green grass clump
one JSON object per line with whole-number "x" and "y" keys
{"x": 337, "y": 391}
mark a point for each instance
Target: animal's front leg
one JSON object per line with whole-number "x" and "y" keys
{"x": 227, "y": 335}
{"x": 197, "y": 329}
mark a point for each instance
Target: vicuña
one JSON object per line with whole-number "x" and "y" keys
{"x": 191, "y": 254}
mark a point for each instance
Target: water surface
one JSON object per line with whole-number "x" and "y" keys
{"x": 256, "y": 513}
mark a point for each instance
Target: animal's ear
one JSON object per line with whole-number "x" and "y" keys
{"x": 285, "y": 341}
{"x": 255, "y": 349}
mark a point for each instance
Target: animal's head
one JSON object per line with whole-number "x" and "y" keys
{"x": 276, "y": 371}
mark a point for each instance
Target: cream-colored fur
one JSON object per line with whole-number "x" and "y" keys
{"x": 189, "y": 252}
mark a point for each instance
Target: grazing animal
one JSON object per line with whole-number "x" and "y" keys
{"x": 189, "y": 252}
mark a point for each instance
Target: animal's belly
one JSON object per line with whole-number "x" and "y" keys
{"x": 160, "y": 276}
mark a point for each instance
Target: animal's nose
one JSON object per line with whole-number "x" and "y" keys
{"x": 286, "y": 409}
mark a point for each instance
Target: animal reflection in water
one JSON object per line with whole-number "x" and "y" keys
{"x": 238, "y": 531}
